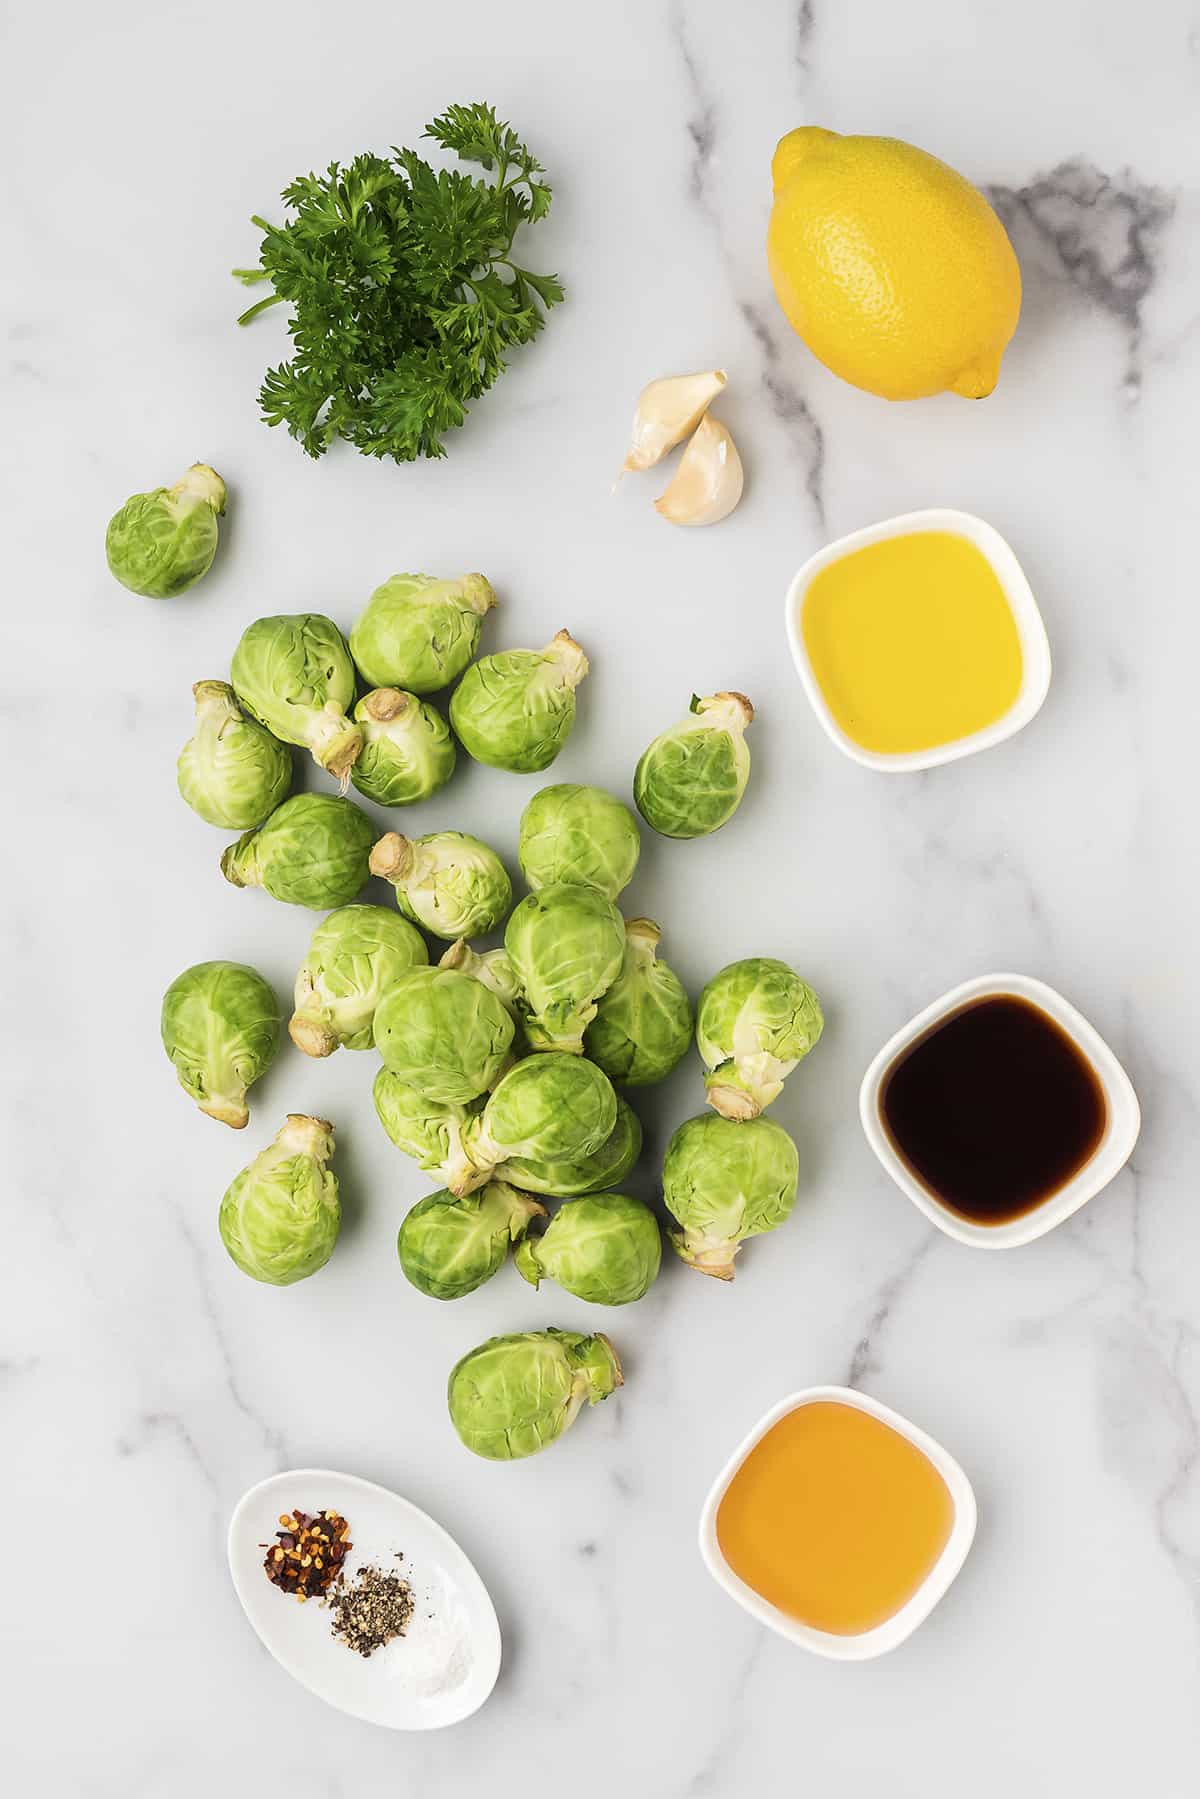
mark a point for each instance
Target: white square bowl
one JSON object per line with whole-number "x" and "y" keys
{"x": 866, "y": 1644}
{"x": 1035, "y": 646}
{"x": 1106, "y": 1161}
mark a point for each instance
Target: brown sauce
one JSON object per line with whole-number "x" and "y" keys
{"x": 994, "y": 1109}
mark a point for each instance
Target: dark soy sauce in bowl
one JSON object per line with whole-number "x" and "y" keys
{"x": 994, "y": 1109}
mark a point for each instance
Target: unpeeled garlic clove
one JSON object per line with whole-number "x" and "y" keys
{"x": 666, "y": 411}
{"x": 707, "y": 485}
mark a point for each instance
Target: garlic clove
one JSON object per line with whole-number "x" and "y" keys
{"x": 666, "y": 411}
{"x": 707, "y": 485}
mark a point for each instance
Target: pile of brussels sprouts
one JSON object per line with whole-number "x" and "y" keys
{"x": 500, "y": 1067}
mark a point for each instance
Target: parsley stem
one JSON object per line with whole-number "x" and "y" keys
{"x": 253, "y": 311}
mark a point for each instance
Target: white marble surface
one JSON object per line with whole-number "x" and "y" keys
{"x": 145, "y": 1383}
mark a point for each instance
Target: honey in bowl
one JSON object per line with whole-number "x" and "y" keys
{"x": 912, "y": 642}
{"x": 994, "y": 1109}
{"x": 835, "y": 1518}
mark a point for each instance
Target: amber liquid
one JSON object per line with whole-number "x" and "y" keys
{"x": 835, "y": 1518}
{"x": 994, "y": 1109}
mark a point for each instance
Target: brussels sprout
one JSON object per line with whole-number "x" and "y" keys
{"x": 565, "y": 1179}
{"x": 420, "y": 633}
{"x": 605, "y": 1249}
{"x": 450, "y": 1246}
{"x": 355, "y": 956}
{"x": 725, "y": 1182}
{"x": 755, "y": 1021}
{"x": 691, "y": 779}
{"x": 312, "y": 851}
{"x": 566, "y": 944}
{"x": 548, "y": 1108}
{"x": 427, "y": 1130}
{"x": 280, "y": 1218}
{"x": 643, "y": 1024}
{"x": 443, "y": 1033}
{"x": 580, "y": 835}
{"x": 515, "y": 710}
{"x": 515, "y": 1395}
{"x": 220, "y": 1027}
{"x": 294, "y": 673}
{"x": 163, "y": 541}
{"x": 449, "y": 882}
{"x": 407, "y": 753}
{"x": 232, "y": 772}
{"x": 491, "y": 966}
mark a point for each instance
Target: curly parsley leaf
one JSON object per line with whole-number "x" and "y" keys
{"x": 404, "y": 297}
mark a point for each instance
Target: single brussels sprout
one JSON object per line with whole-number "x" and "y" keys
{"x": 643, "y": 1024}
{"x": 548, "y": 1108}
{"x": 429, "y": 1131}
{"x": 420, "y": 633}
{"x": 407, "y": 753}
{"x": 515, "y": 710}
{"x": 515, "y": 1395}
{"x": 220, "y": 1027}
{"x": 232, "y": 772}
{"x": 313, "y": 851}
{"x": 447, "y": 881}
{"x": 566, "y": 944}
{"x": 605, "y": 1249}
{"x": 448, "y": 1246}
{"x": 294, "y": 674}
{"x": 755, "y": 1021}
{"x": 580, "y": 835}
{"x": 355, "y": 956}
{"x": 725, "y": 1182}
{"x": 491, "y": 966}
{"x": 443, "y": 1033}
{"x": 566, "y": 1178}
{"x": 161, "y": 542}
{"x": 691, "y": 779}
{"x": 280, "y": 1218}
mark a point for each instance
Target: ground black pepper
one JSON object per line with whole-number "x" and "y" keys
{"x": 371, "y": 1609}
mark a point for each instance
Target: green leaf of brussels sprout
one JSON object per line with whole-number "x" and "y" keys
{"x": 313, "y": 851}
{"x": 161, "y": 542}
{"x": 231, "y": 771}
{"x": 294, "y": 674}
{"x": 420, "y": 633}
{"x": 548, "y": 1108}
{"x": 443, "y": 1033}
{"x": 430, "y": 1131}
{"x": 408, "y": 751}
{"x": 605, "y": 1249}
{"x": 567, "y": 1177}
{"x": 280, "y": 1218}
{"x": 725, "y": 1182}
{"x": 517, "y": 1394}
{"x": 355, "y": 956}
{"x": 580, "y": 835}
{"x": 643, "y": 1024}
{"x": 566, "y": 944}
{"x": 448, "y": 1245}
{"x": 515, "y": 710}
{"x": 220, "y": 1027}
{"x": 756, "y": 1020}
{"x": 691, "y": 779}
{"x": 447, "y": 881}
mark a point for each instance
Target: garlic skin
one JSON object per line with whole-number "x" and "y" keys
{"x": 666, "y": 411}
{"x": 707, "y": 485}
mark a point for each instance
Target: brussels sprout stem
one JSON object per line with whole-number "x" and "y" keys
{"x": 227, "y": 1110}
{"x": 477, "y": 592}
{"x": 707, "y": 1255}
{"x": 602, "y": 1366}
{"x": 568, "y": 658}
{"x": 310, "y": 1034}
{"x": 392, "y": 857}
{"x": 386, "y": 704}
{"x": 731, "y": 1101}
{"x": 305, "y": 1136}
{"x": 239, "y": 864}
{"x": 201, "y": 486}
{"x": 335, "y": 742}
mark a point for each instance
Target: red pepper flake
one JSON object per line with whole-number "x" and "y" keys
{"x": 308, "y": 1553}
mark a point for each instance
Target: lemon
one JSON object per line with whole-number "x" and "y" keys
{"x": 893, "y": 269}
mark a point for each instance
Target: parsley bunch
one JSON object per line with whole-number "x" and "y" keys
{"x": 405, "y": 300}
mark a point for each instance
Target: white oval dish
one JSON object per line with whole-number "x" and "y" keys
{"x": 892, "y": 1632}
{"x": 1104, "y": 1164}
{"x": 1035, "y": 646}
{"x": 446, "y": 1664}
